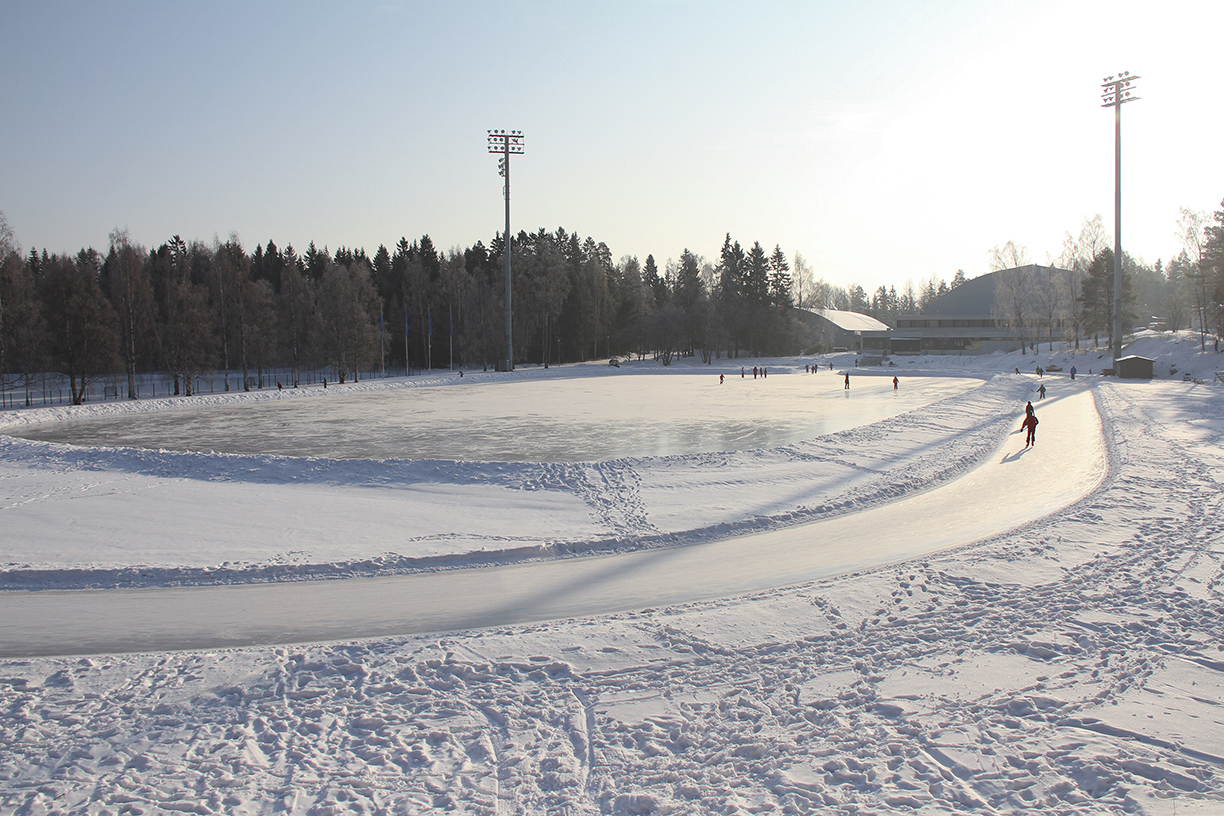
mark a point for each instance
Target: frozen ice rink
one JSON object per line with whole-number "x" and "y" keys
{"x": 543, "y": 420}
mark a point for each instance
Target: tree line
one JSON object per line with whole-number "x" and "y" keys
{"x": 190, "y": 308}
{"x": 1074, "y": 298}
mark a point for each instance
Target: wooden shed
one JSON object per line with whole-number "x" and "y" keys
{"x": 1134, "y": 367}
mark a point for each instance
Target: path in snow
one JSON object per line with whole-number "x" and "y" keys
{"x": 1011, "y": 488}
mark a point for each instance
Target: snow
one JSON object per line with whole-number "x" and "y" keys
{"x": 1069, "y": 661}
{"x": 852, "y": 321}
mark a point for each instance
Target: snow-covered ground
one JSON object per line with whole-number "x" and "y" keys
{"x": 1070, "y": 665}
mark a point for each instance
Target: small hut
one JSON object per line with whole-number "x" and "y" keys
{"x": 1134, "y": 367}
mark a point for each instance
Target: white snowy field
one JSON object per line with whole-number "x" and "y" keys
{"x": 1071, "y": 664}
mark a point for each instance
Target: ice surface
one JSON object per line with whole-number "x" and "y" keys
{"x": 558, "y": 420}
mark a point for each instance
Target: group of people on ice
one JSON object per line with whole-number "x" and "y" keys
{"x": 762, "y": 372}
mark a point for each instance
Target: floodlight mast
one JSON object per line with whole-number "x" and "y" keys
{"x": 1116, "y": 91}
{"x": 507, "y": 142}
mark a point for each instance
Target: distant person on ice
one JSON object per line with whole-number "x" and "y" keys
{"x": 1041, "y": 392}
{"x": 847, "y": 380}
{"x": 894, "y": 383}
{"x": 1073, "y": 372}
{"x": 1030, "y": 422}
{"x": 1028, "y": 409}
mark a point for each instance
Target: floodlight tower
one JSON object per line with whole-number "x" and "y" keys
{"x": 1116, "y": 91}
{"x": 507, "y": 142}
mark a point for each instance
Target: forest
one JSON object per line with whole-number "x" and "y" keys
{"x": 250, "y": 318}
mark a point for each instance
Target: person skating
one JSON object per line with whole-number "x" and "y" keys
{"x": 1030, "y": 423}
{"x": 894, "y": 383}
{"x": 847, "y": 381}
{"x": 1041, "y": 392}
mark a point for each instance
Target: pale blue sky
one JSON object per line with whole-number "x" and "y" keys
{"x": 886, "y": 141}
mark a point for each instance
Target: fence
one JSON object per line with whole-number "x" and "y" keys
{"x": 52, "y": 388}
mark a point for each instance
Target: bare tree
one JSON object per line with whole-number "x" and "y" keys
{"x": 1013, "y": 287}
{"x": 130, "y": 289}
{"x": 298, "y": 320}
{"x": 348, "y": 304}
{"x": 1191, "y": 225}
{"x": 803, "y": 279}
{"x": 232, "y": 270}
{"x": 81, "y": 321}
{"x": 1076, "y": 257}
{"x": 184, "y": 320}
{"x": 1051, "y": 301}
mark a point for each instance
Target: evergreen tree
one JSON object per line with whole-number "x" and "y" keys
{"x": 23, "y": 332}
{"x": 780, "y": 284}
{"x": 658, "y": 286}
{"x": 1097, "y": 298}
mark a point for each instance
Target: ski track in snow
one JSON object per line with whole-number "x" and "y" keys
{"x": 1072, "y": 666}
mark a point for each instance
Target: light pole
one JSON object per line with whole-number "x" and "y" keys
{"x": 507, "y": 142}
{"x": 1116, "y": 91}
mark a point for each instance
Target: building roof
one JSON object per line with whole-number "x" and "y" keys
{"x": 852, "y": 321}
{"x": 977, "y": 296}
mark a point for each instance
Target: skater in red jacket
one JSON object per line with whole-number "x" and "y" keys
{"x": 1030, "y": 422}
